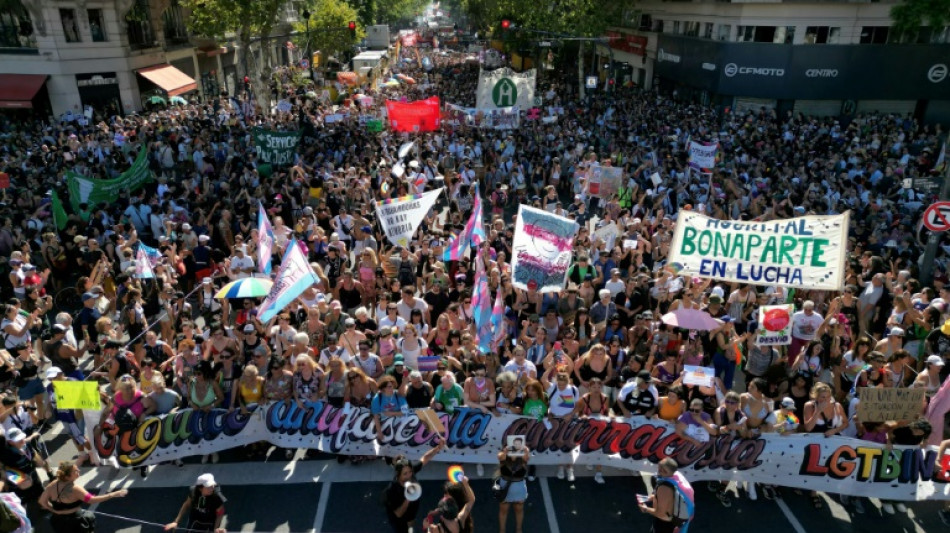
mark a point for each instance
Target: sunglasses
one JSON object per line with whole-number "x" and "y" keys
{"x": 697, "y": 411}
{"x": 731, "y": 402}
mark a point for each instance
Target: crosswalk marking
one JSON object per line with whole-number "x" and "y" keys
{"x": 321, "y": 507}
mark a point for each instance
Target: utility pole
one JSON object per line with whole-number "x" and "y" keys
{"x": 930, "y": 253}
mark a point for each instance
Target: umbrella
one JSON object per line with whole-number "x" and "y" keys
{"x": 178, "y": 100}
{"x": 157, "y": 100}
{"x": 245, "y": 288}
{"x": 691, "y": 319}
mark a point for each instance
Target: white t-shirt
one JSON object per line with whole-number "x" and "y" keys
{"x": 804, "y": 327}
{"x": 527, "y": 368}
{"x": 239, "y": 263}
{"x": 405, "y": 310}
{"x": 562, "y": 402}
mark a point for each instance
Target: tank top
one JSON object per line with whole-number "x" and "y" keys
{"x": 418, "y": 398}
{"x": 603, "y": 405}
{"x": 201, "y": 402}
{"x": 28, "y": 372}
{"x": 52, "y": 351}
{"x": 306, "y": 388}
{"x": 251, "y": 394}
{"x": 366, "y": 275}
{"x": 587, "y": 373}
{"x": 823, "y": 424}
{"x": 668, "y": 410}
{"x": 248, "y": 348}
{"x": 58, "y": 505}
{"x": 350, "y": 298}
{"x": 335, "y": 388}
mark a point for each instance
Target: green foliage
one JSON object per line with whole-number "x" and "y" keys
{"x": 247, "y": 18}
{"x": 575, "y": 17}
{"x": 394, "y": 11}
{"x": 326, "y": 14}
{"x": 910, "y": 15}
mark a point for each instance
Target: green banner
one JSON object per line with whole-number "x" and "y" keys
{"x": 374, "y": 125}
{"x": 276, "y": 147}
{"x": 96, "y": 191}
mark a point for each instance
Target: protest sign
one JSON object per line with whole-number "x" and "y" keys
{"x": 400, "y": 217}
{"x": 775, "y": 325}
{"x": 542, "y": 249}
{"x": 605, "y": 182}
{"x": 284, "y": 106}
{"x": 77, "y": 395}
{"x": 276, "y": 148}
{"x": 796, "y": 252}
{"x": 83, "y": 190}
{"x": 608, "y": 235}
{"x": 835, "y": 465}
{"x": 890, "y": 404}
{"x": 702, "y": 156}
{"x": 698, "y": 375}
{"x": 414, "y": 117}
{"x": 503, "y": 119}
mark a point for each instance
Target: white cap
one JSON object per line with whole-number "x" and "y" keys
{"x": 718, "y": 292}
{"x": 53, "y": 371}
{"x": 206, "y": 480}
{"x": 16, "y": 435}
{"x": 203, "y": 238}
{"x": 935, "y": 360}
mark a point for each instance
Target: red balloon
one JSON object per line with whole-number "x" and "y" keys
{"x": 776, "y": 319}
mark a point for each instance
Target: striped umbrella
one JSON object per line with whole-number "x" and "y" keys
{"x": 245, "y": 288}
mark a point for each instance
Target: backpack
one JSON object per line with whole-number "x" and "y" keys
{"x": 125, "y": 419}
{"x": 683, "y": 508}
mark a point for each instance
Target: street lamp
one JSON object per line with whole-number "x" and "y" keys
{"x": 306, "y": 17}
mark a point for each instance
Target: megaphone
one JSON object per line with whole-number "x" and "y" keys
{"x": 413, "y": 491}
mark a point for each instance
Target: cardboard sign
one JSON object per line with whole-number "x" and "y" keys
{"x": 892, "y": 404}
{"x": 77, "y": 395}
{"x": 431, "y": 419}
{"x": 698, "y": 375}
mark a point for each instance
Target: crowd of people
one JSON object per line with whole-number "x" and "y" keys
{"x": 598, "y": 347}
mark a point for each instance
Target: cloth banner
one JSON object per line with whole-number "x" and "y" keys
{"x": 374, "y": 125}
{"x": 504, "y": 87}
{"x": 775, "y": 325}
{"x": 795, "y": 252}
{"x": 503, "y": 119}
{"x": 83, "y": 190}
{"x": 265, "y": 241}
{"x": 542, "y": 248}
{"x": 276, "y": 148}
{"x": 400, "y": 217}
{"x": 605, "y": 182}
{"x": 414, "y": 117}
{"x": 702, "y": 156}
{"x": 294, "y": 277}
{"x": 836, "y": 465}
{"x": 77, "y": 395}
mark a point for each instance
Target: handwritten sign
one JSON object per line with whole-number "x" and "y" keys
{"x": 893, "y": 404}
{"x": 775, "y": 325}
{"x": 77, "y": 395}
{"x": 698, "y": 375}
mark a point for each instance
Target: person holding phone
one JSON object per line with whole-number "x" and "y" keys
{"x": 513, "y": 469}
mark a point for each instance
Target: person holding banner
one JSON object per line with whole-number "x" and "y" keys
{"x": 75, "y": 424}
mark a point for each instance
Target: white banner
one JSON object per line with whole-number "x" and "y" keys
{"x": 702, "y": 155}
{"x": 295, "y": 276}
{"x": 836, "y": 465}
{"x": 795, "y": 252}
{"x": 542, "y": 249}
{"x": 503, "y": 119}
{"x": 400, "y": 217}
{"x": 504, "y": 87}
{"x": 775, "y": 325}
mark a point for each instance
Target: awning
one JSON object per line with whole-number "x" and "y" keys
{"x": 169, "y": 78}
{"x": 17, "y": 90}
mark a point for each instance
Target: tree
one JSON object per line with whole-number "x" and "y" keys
{"x": 332, "y": 15}
{"x": 396, "y": 11}
{"x": 910, "y": 15}
{"x": 250, "y": 20}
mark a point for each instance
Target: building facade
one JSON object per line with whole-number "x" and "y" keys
{"x": 108, "y": 56}
{"x": 825, "y": 58}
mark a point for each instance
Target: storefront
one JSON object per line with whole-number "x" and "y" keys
{"x": 164, "y": 80}
{"x": 819, "y": 79}
{"x": 24, "y": 91}
{"x": 101, "y": 92}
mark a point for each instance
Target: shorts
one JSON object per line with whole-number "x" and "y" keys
{"x": 517, "y": 492}
{"x": 31, "y": 389}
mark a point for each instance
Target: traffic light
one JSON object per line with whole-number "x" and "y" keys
{"x": 352, "y": 28}
{"x": 505, "y": 24}
{"x": 247, "y": 83}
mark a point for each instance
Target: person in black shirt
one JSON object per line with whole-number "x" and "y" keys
{"x": 205, "y": 507}
{"x": 915, "y": 433}
{"x": 437, "y": 299}
{"x": 400, "y": 511}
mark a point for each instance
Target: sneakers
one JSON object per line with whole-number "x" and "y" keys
{"x": 944, "y": 516}
{"x": 768, "y": 492}
{"x": 531, "y": 477}
{"x": 887, "y": 508}
{"x": 859, "y": 505}
{"x": 178, "y": 463}
{"x": 901, "y": 508}
{"x": 599, "y": 478}
{"x": 751, "y": 492}
{"x": 570, "y": 474}
{"x": 144, "y": 472}
{"x": 214, "y": 458}
{"x": 560, "y": 472}
{"x": 480, "y": 470}
{"x": 724, "y": 499}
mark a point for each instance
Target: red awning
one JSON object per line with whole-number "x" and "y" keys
{"x": 169, "y": 78}
{"x": 18, "y": 90}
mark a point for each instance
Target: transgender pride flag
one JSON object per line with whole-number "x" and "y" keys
{"x": 481, "y": 307}
{"x": 498, "y": 319}
{"x": 473, "y": 234}
{"x": 265, "y": 241}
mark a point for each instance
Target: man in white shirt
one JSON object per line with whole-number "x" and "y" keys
{"x": 410, "y": 302}
{"x": 241, "y": 265}
{"x": 805, "y": 324}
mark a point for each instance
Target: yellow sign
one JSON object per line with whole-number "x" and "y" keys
{"x": 77, "y": 395}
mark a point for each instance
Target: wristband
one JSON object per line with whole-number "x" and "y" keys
{"x": 87, "y": 497}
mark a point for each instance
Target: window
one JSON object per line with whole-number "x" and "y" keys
{"x": 16, "y": 28}
{"x": 762, "y": 34}
{"x": 676, "y": 27}
{"x": 646, "y": 22}
{"x": 874, "y": 34}
{"x": 724, "y": 31}
{"x": 822, "y": 35}
{"x": 784, "y": 35}
{"x": 174, "y": 24}
{"x": 97, "y": 25}
{"x": 708, "y": 30}
{"x": 691, "y": 29}
{"x": 140, "y": 26}
{"x": 658, "y": 26}
{"x": 941, "y": 35}
{"x": 70, "y": 27}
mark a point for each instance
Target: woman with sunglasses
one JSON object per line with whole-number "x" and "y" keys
{"x": 697, "y": 427}
{"x": 227, "y": 371}
{"x": 358, "y": 392}
{"x": 205, "y": 394}
{"x": 387, "y": 402}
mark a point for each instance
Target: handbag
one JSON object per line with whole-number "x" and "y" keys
{"x": 499, "y": 488}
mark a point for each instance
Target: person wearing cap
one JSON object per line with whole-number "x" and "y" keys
{"x": 204, "y": 506}
{"x": 240, "y": 265}
{"x": 603, "y": 308}
{"x": 62, "y": 354}
{"x": 638, "y": 397}
{"x": 16, "y": 454}
{"x": 929, "y": 377}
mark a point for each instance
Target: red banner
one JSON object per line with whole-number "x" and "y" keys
{"x": 422, "y": 115}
